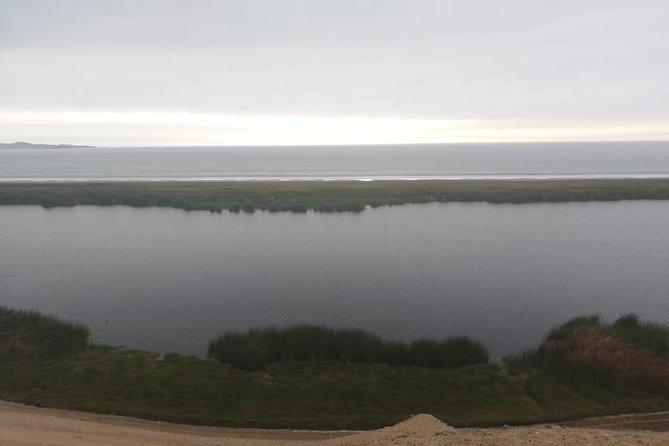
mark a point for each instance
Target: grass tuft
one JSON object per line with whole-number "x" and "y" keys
{"x": 26, "y": 335}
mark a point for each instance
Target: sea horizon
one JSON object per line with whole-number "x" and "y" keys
{"x": 469, "y": 161}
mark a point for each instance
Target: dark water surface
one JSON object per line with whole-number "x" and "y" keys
{"x": 169, "y": 280}
{"x": 498, "y": 160}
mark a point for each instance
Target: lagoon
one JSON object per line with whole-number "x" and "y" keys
{"x": 169, "y": 280}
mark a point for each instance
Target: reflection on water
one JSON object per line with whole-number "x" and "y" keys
{"x": 169, "y": 280}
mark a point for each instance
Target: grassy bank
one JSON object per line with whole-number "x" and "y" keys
{"x": 325, "y": 196}
{"x": 311, "y": 394}
{"x": 304, "y": 394}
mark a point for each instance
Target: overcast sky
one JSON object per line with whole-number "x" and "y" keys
{"x": 172, "y": 72}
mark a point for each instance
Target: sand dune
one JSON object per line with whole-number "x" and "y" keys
{"x": 28, "y": 426}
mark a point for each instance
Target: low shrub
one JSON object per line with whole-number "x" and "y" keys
{"x": 256, "y": 348}
{"x": 626, "y": 352}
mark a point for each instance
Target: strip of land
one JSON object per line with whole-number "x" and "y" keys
{"x": 27, "y": 145}
{"x": 336, "y": 196}
{"x": 29, "y": 426}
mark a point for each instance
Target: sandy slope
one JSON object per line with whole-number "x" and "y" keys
{"x": 27, "y": 426}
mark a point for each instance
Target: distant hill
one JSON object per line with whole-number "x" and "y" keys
{"x": 27, "y": 145}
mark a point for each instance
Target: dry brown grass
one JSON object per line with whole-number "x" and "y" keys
{"x": 601, "y": 351}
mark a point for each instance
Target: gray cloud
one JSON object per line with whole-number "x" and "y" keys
{"x": 568, "y": 61}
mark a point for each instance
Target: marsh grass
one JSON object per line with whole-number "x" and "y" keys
{"x": 584, "y": 350}
{"x": 336, "y": 196}
{"x": 256, "y": 348}
{"x": 304, "y": 394}
{"x": 26, "y": 335}
{"x": 307, "y": 394}
{"x": 647, "y": 335}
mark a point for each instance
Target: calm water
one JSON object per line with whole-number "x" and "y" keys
{"x": 407, "y": 161}
{"x": 169, "y": 280}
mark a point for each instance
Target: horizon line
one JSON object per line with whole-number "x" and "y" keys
{"x": 386, "y": 144}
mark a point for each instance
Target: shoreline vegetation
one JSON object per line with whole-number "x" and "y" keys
{"x": 259, "y": 347}
{"x": 319, "y": 196}
{"x": 582, "y": 368}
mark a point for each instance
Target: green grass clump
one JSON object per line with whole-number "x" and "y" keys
{"x": 257, "y": 347}
{"x": 27, "y": 335}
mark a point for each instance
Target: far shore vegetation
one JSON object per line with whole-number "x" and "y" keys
{"x": 324, "y": 196}
{"x": 583, "y": 368}
{"x": 27, "y": 145}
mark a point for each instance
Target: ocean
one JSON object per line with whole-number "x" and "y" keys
{"x": 410, "y": 162}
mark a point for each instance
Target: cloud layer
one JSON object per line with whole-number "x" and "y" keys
{"x": 516, "y": 67}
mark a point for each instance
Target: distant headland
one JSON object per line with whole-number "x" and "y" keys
{"x": 27, "y": 145}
